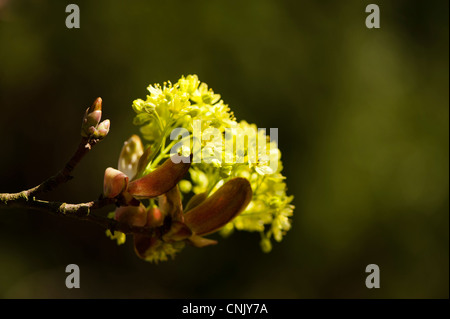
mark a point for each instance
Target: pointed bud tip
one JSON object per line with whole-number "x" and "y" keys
{"x": 96, "y": 106}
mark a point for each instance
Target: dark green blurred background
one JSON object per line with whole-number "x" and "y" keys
{"x": 363, "y": 118}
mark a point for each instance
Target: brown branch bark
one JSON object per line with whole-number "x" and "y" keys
{"x": 82, "y": 211}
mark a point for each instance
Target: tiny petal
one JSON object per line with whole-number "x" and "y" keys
{"x": 117, "y": 235}
{"x": 160, "y": 181}
{"x": 220, "y": 208}
{"x": 152, "y": 249}
{"x": 132, "y": 151}
{"x": 114, "y": 182}
{"x": 132, "y": 215}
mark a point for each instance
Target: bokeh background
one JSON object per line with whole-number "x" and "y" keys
{"x": 363, "y": 119}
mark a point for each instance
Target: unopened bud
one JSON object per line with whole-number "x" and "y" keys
{"x": 91, "y": 118}
{"x": 155, "y": 218}
{"x": 130, "y": 156}
{"x": 114, "y": 183}
{"x": 102, "y": 130}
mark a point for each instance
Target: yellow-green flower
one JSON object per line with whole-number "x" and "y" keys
{"x": 178, "y": 106}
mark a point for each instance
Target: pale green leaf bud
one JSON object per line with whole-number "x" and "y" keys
{"x": 102, "y": 130}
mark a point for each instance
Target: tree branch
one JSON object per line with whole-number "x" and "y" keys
{"x": 82, "y": 211}
{"x": 92, "y": 132}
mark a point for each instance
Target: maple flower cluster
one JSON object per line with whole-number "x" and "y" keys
{"x": 151, "y": 184}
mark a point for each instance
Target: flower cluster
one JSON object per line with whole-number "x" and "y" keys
{"x": 248, "y": 189}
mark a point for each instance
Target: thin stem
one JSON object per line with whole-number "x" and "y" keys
{"x": 82, "y": 211}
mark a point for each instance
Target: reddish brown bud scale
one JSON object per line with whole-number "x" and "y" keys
{"x": 196, "y": 200}
{"x": 177, "y": 232}
{"x": 144, "y": 160}
{"x": 114, "y": 183}
{"x": 160, "y": 181}
{"x": 170, "y": 204}
{"x": 220, "y": 208}
{"x": 132, "y": 215}
{"x": 142, "y": 243}
{"x": 155, "y": 217}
